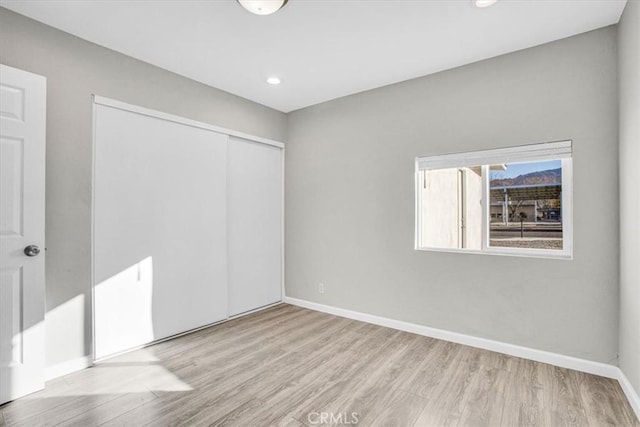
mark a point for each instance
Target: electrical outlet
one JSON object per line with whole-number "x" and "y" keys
{"x": 321, "y": 288}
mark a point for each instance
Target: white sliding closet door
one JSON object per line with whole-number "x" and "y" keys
{"x": 254, "y": 225}
{"x": 159, "y": 229}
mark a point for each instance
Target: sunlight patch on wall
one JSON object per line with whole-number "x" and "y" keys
{"x": 124, "y": 309}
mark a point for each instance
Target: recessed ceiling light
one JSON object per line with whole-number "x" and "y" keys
{"x": 485, "y": 3}
{"x": 273, "y": 81}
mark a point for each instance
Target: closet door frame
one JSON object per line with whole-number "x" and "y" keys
{"x": 108, "y": 102}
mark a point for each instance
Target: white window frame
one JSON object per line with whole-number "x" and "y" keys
{"x": 561, "y": 150}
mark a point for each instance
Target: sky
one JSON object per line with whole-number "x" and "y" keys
{"x": 516, "y": 169}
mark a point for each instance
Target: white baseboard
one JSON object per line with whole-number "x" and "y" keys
{"x": 67, "y": 367}
{"x": 630, "y": 392}
{"x": 563, "y": 361}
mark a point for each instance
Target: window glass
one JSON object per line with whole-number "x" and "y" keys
{"x": 526, "y": 205}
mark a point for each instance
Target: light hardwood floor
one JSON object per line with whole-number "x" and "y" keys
{"x": 290, "y": 366}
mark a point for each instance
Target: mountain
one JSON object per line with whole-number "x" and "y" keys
{"x": 551, "y": 176}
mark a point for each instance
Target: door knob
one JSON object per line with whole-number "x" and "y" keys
{"x": 32, "y": 250}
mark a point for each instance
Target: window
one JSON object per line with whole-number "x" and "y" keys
{"x": 509, "y": 201}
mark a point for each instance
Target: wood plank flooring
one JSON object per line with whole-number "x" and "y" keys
{"x": 289, "y": 366}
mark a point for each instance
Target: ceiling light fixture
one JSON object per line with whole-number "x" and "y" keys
{"x": 485, "y": 3}
{"x": 273, "y": 81}
{"x": 262, "y": 7}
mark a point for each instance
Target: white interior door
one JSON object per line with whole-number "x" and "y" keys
{"x": 255, "y": 225}
{"x": 22, "y": 195}
{"x": 159, "y": 228}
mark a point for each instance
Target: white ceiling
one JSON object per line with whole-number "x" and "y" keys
{"x": 321, "y": 49}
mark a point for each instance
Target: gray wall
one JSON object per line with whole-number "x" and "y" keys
{"x": 350, "y": 199}
{"x": 629, "y": 65}
{"x": 75, "y": 69}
